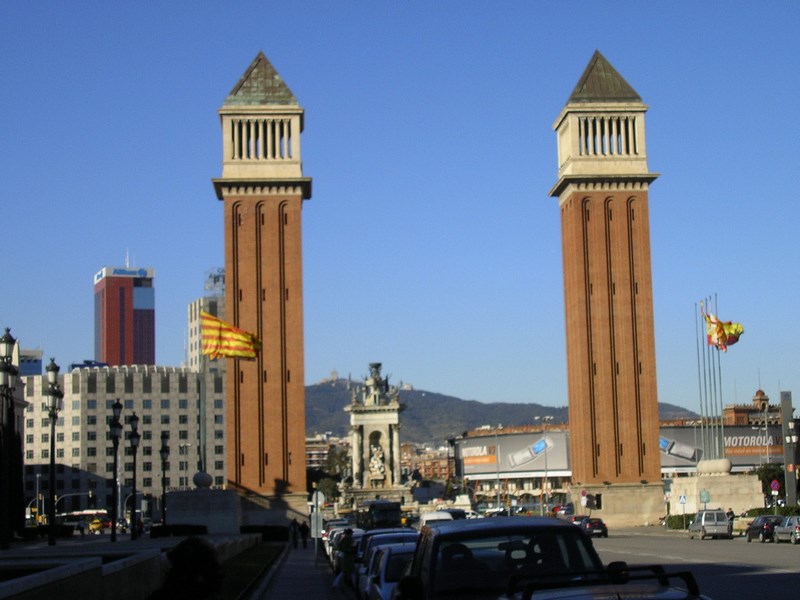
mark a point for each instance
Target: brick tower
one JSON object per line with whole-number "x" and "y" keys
{"x": 263, "y": 188}
{"x": 602, "y": 189}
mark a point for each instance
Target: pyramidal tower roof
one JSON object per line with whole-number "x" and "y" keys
{"x": 600, "y": 82}
{"x": 261, "y": 84}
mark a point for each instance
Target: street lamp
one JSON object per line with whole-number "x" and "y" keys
{"x": 54, "y": 395}
{"x": 545, "y": 490}
{"x": 134, "y": 439}
{"x": 8, "y": 382}
{"x": 790, "y": 464}
{"x": 164, "y": 452}
{"x": 115, "y": 427}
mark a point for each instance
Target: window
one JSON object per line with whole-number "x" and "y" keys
{"x": 147, "y": 435}
{"x": 147, "y": 383}
{"x": 91, "y": 436}
{"x": 219, "y": 434}
{"x": 45, "y": 422}
{"x": 91, "y": 404}
{"x": 165, "y": 404}
{"x": 128, "y": 404}
{"x": 147, "y": 404}
{"x": 76, "y": 420}
{"x": 29, "y": 454}
{"x": 183, "y": 384}
{"x": 147, "y": 466}
{"x": 128, "y": 466}
{"x": 76, "y": 436}
{"x": 147, "y": 482}
{"x": 183, "y": 434}
{"x": 218, "y": 403}
{"x": 45, "y": 438}
{"x": 218, "y": 419}
{"x": 76, "y": 451}
{"x": 45, "y": 453}
{"x": 147, "y": 450}
{"x": 218, "y": 480}
{"x": 59, "y": 452}
{"x": 183, "y": 403}
{"x": 219, "y": 465}
{"x": 183, "y": 465}
{"x": 91, "y": 419}
{"x": 29, "y": 423}
{"x": 76, "y": 405}
{"x": 219, "y": 449}
{"x": 183, "y": 481}
{"x": 60, "y": 437}
{"x": 183, "y": 419}
{"x": 147, "y": 419}
{"x": 110, "y": 385}
{"x": 165, "y": 419}
{"x": 29, "y": 438}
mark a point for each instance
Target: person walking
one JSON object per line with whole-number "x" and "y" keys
{"x": 347, "y": 562}
{"x": 293, "y": 527}
{"x": 304, "y": 531}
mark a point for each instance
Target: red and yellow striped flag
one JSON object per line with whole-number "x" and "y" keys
{"x": 223, "y": 339}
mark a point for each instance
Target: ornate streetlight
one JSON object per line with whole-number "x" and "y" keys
{"x": 134, "y": 439}
{"x": 164, "y": 452}
{"x": 54, "y": 396}
{"x": 115, "y": 427}
{"x": 8, "y": 382}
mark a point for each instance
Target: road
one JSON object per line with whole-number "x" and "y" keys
{"x": 723, "y": 568}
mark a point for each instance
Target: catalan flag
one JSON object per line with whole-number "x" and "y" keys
{"x": 223, "y": 339}
{"x": 721, "y": 333}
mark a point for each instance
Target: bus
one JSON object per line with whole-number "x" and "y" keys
{"x": 378, "y": 513}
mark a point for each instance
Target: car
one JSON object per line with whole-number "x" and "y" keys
{"x": 762, "y": 528}
{"x": 366, "y": 551}
{"x": 97, "y": 526}
{"x": 526, "y": 557}
{"x": 576, "y": 519}
{"x": 713, "y": 523}
{"x": 391, "y": 562}
{"x": 592, "y": 526}
{"x": 788, "y": 529}
{"x": 435, "y": 516}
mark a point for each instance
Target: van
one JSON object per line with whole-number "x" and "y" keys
{"x": 434, "y": 518}
{"x": 711, "y": 523}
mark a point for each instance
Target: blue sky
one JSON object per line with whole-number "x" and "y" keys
{"x": 430, "y": 243}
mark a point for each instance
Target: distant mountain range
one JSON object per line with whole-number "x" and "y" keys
{"x": 429, "y": 416}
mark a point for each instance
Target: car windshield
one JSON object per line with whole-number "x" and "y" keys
{"x": 490, "y": 562}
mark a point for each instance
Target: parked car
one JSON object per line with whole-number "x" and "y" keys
{"x": 528, "y": 557}
{"x": 576, "y": 519}
{"x": 711, "y": 523}
{"x": 788, "y": 529}
{"x": 435, "y": 516}
{"x": 391, "y": 562}
{"x": 97, "y": 526}
{"x": 366, "y": 554}
{"x": 762, "y": 528}
{"x": 592, "y": 526}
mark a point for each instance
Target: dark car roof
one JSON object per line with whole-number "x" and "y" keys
{"x": 509, "y": 524}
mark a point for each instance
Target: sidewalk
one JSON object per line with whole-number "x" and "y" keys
{"x": 299, "y": 577}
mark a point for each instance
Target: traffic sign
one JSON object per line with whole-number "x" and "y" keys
{"x": 682, "y": 499}
{"x": 775, "y": 485}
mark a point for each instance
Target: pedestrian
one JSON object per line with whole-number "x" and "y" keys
{"x": 347, "y": 562}
{"x": 293, "y": 526}
{"x": 304, "y": 531}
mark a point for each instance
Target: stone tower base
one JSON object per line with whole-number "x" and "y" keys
{"x": 622, "y": 504}
{"x": 719, "y": 489}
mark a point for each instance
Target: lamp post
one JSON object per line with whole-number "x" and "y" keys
{"x": 790, "y": 466}
{"x": 8, "y": 382}
{"x": 54, "y": 395}
{"x": 545, "y": 447}
{"x": 134, "y": 439}
{"x": 164, "y": 452}
{"x": 497, "y": 466}
{"x": 115, "y": 427}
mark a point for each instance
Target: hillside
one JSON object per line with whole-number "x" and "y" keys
{"x": 431, "y": 416}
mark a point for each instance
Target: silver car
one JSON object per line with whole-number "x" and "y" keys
{"x": 788, "y": 530}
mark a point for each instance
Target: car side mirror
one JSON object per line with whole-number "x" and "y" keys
{"x": 410, "y": 588}
{"x": 618, "y": 571}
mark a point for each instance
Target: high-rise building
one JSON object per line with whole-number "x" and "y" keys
{"x": 166, "y": 399}
{"x": 602, "y": 191}
{"x": 125, "y": 316}
{"x": 262, "y": 189}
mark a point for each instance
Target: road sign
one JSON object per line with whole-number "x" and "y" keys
{"x": 705, "y": 496}
{"x": 775, "y": 485}
{"x": 682, "y": 499}
{"x": 318, "y": 498}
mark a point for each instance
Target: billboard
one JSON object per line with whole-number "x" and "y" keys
{"x": 514, "y": 454}
{"x": 680, "y": 447}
